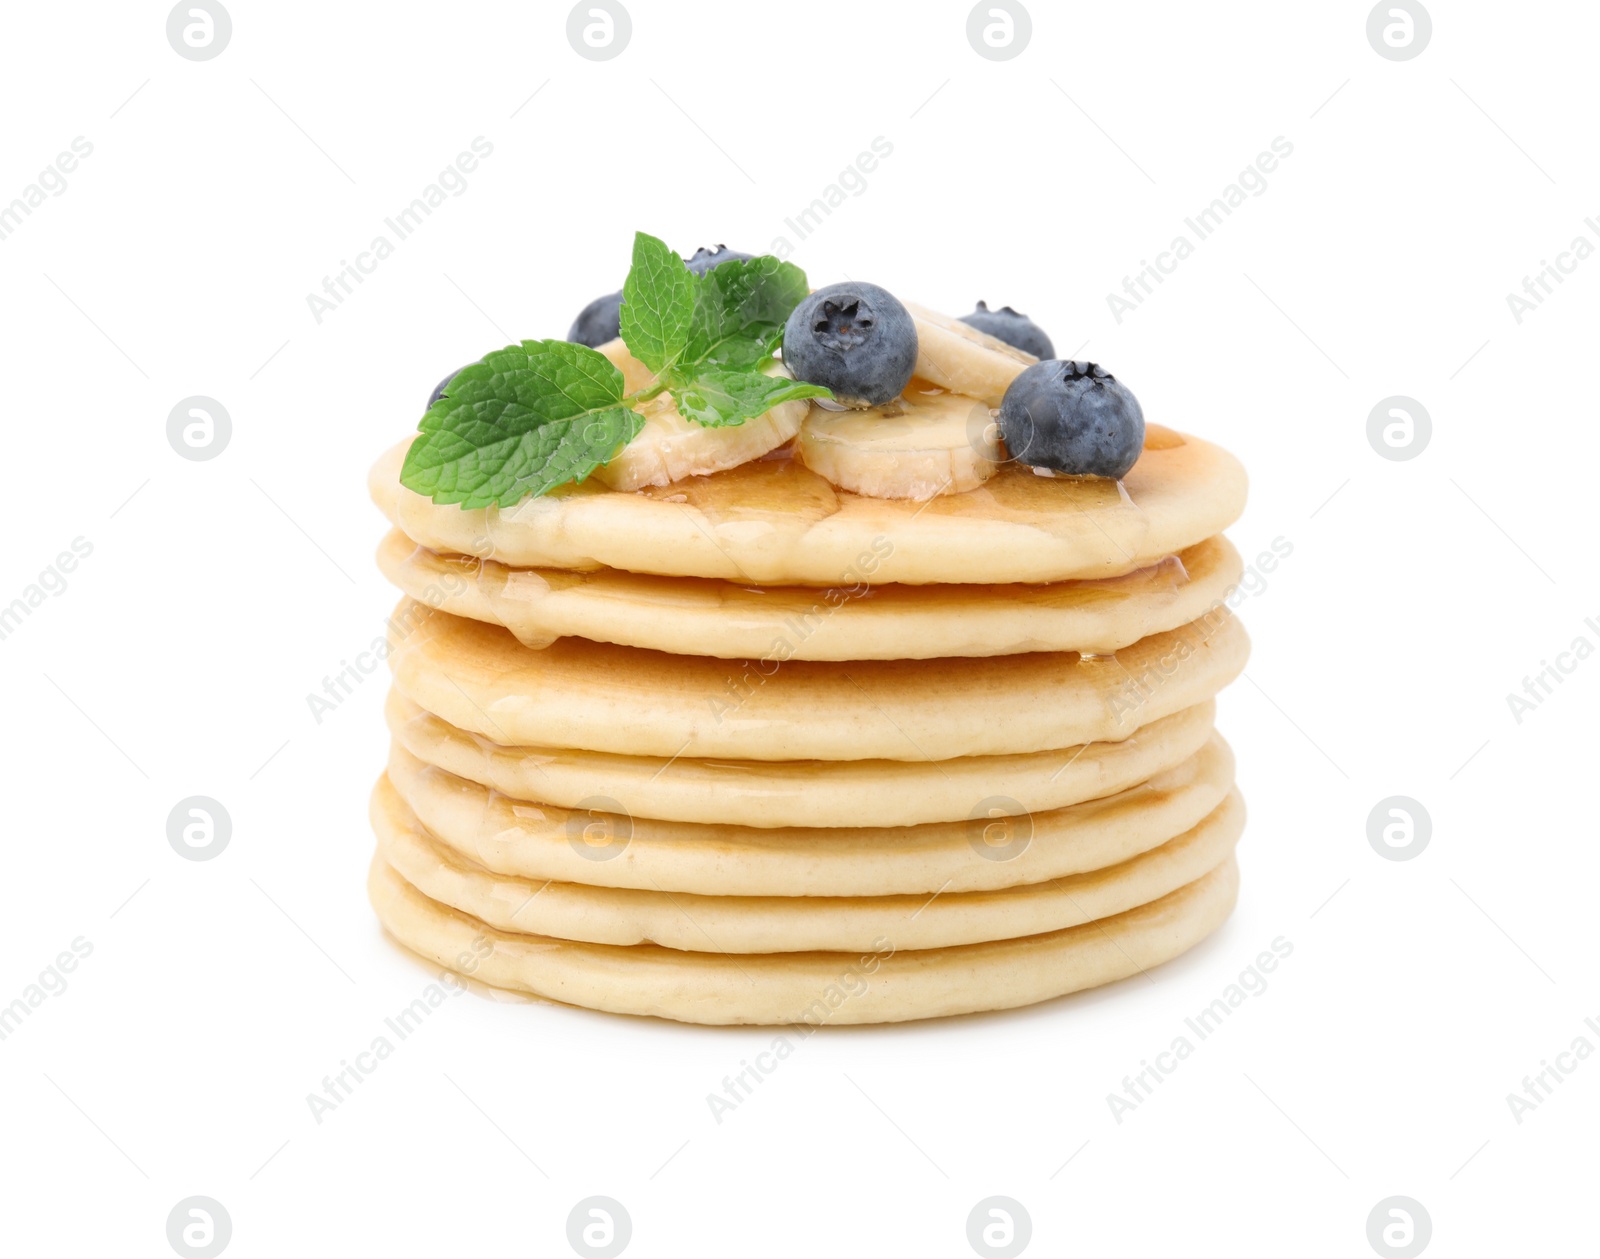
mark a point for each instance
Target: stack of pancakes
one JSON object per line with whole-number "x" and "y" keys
{"x": 749, "y": 749}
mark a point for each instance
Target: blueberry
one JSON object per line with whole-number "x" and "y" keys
{"x": 1012, "y": 327}
{"x": 438, "y": 390}
{"x": 704, "y": 259}
{"x": 598, "y": 322}
{"x": 601, "y": 320}
{"x": 1075, "y": 418}
{"x": 857, "y": 339}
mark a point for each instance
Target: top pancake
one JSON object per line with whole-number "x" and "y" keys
{"x": 774, "y": 522}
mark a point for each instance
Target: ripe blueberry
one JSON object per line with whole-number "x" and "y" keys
{"x": 856, "y": 339}
{"x": 601, "y": 320}
{"x": 1012, "y": 327}
{"x": 1072, "y": 417}
{"x": 598, "y": 322}
{"x": 438, "y": 390}
{"x": 704, "y": 259}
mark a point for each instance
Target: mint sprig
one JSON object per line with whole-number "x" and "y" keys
{"x": 740, "y": 309}
{"x": 721, "y": 396}
{"x": 531, "y": 417}
{"x": 526, "y": 419}
{"x": 658, "y": 301}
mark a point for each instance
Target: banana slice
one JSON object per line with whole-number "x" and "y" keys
{"x": 635, "y": 375}
{"x": 964, "y": 360}
{"x": 670, "y": 448}
{"x": 920, "y": 446}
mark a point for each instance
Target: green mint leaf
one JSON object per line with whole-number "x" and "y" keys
{"x": 658, "y": 302}
{"x": 542, "y": 414}
{"x": 720, "y": 396}
{"x": 526, "y": 419}
{"x": 739, "y": 311}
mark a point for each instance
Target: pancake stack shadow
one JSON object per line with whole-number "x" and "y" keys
{"x": 730, "y": 802}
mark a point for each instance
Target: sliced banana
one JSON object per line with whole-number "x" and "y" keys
{"x": 928, "y": 443}
{"x": 670, "y": 448}
{"x": 635, "y": 375}
{"x": 964, "y": 360}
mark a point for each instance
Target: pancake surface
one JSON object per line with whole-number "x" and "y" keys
{"x": 802, "y": 793}
{"x": 888, "y": 985}
{"x": 698, "y": 923}
{"x": 969, "y": 854}
{"x": 581, "y": 694}
{"x": 702, "y": 617}
{"x": 773, "y": 522}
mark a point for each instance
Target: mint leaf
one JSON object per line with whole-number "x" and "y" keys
{"x": 720, "y": 397}
{"x": 538, "y": 415}
{"x": 658, "y": 302}
{"x": 526, "y": 419}
{"x": 739, "y": 311}
{"x": 740, "y": 308}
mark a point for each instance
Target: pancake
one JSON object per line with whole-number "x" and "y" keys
{"x": 702, "y": 617}
{"x": 804, "y": 793}
{"x": 884, "y": 986}
{"x": 605, "y": 698}
{"x": 773, "y": 522}
{"x": 701, "y": 923}
{"x": 541, "y": 842}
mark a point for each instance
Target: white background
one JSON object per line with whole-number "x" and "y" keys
{"x": 178, "y": 659}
